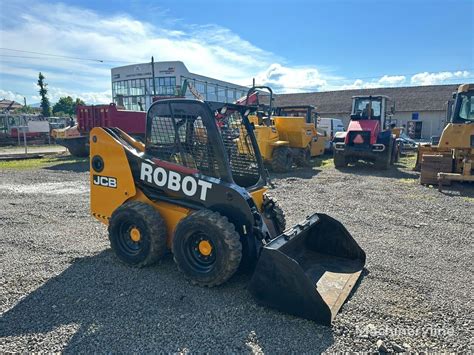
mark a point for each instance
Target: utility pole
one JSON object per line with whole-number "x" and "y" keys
{"x": 153, "y": 75}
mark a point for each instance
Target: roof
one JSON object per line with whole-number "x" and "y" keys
{"x": 407, "y": 99}
{"x": 6, "y": 104}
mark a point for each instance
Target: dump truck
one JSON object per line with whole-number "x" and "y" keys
{"x": 452, "y": 159}
{"x": 276, "y": 152}
{"x": 285, "y": 134}
{"x": 298, "y": 125}
{"x": 198, "y": 188}
{"x": 76, "y": 138}
{"x": 368, "y": 136}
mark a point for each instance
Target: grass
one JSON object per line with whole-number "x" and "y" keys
{"x": 40, "y": 162}
{"x": 407, "y": 161}
{"x": 408, "y": 181}
{"x": 324, "y": 162}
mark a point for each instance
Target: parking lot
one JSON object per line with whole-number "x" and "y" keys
{"x": 62, "y": 289}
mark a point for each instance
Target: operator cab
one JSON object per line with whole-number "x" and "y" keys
{"x": 464, "y": 105}
{"x": 372, "y": 108}
{"x": 307, "y": 111}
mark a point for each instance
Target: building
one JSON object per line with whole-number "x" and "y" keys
{"x": 420, "y": 108}
{"x": 9, "y": 105}
{"x": 132, "y": 85}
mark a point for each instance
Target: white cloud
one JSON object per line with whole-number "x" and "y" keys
{"x": 287, "y": 79}
{"x": 10, "y": 95}
{"x": 209, "y": 50}
{"x": 426, "y": 78}
{"x": 390, "y": 80}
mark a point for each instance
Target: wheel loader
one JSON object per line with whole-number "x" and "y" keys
{"x": 199, "y": 189}
{"x": 453, "y": 158}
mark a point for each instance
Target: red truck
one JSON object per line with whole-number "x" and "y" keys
{"x": 76, "y": 138}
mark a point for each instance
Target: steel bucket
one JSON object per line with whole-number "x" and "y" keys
{"x": 309, "y": 270}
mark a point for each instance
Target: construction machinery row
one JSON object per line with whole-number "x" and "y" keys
{"x": 196, "y": 185}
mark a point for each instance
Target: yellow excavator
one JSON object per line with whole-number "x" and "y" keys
{"x": 453, "y": 158}
{"x": 197, "y": 187}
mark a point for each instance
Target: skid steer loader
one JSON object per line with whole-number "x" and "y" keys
{"x": 198, "y": 188}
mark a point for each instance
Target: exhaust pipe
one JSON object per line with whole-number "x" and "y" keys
{"x": 309, "y": 270}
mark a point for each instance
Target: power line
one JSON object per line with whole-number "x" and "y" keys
{"x": 57, "y": 56}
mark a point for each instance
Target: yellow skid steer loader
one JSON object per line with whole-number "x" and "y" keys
{"x": 197, "y": 187}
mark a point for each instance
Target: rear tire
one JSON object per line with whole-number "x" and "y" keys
{"x": 207, "y": 248}
{"x": 303, "y": 157}
{"x": 282, "y": 160}
{"x": 149, "y": 245}
{"x": 339, "y": 160}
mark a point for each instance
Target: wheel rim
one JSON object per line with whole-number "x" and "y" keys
{"x": 130, "y": 239}
{"x": 200, "y": 252}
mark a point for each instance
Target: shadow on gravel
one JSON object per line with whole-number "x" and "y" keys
{"x": 297, "y": 173}
{"x": 79, "y": 167}
{"x": 121, "y": 309}
{"x": 367, "y": 169}
{"x": 459, "y": 189}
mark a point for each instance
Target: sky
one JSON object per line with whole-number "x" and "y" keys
{"x": 293, "y": 46}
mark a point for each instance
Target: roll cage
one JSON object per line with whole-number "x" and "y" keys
{"x": 210, "y": 138}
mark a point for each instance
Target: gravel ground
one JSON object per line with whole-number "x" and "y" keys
{"x": 62, "y": 289}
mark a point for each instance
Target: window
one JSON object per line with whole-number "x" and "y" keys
{"x": 361, "y": 108}
{"x": 211, "y": 92}
{"x": 165, "y": 85}
{"x": 200, "y": 87}
{"x": 466, "y": 110}
{"x": 137, "y": 87}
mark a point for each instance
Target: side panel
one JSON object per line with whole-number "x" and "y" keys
{"x": 456, "y": 136}
{"x": 171, "y": 213}
{"x": 114, "y": 184}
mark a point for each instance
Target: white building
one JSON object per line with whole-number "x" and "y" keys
{"x": 132, "y": 85}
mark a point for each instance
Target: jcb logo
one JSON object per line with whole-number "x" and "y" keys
{"x": 105, "y": 181}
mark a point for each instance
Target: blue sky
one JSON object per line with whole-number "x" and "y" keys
{"x": 294, "y": 46}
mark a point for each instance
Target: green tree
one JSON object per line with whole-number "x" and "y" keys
{"x": 26, "y": 109}
{"x": 67, "y": 105}
{"x": 45, "y": 105}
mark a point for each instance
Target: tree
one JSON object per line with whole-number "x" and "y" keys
{"x": 26, "y": 109}
{"x": 67, "y": 105}
{"x": 45, "y": 105}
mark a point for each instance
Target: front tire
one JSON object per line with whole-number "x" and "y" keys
{"x": 207, "y": 248}
{"x": 137, "y": 234}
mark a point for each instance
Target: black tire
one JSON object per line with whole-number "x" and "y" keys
{"x": 339, "y": 160}
{"x": 282, "y": 160}
{"x": 274, "y": 212}
{"x": 302, "y": 156}
{"x": 225, "y": 254}
{"x": 151, "y": 245}
{"x": 385, "y": 159}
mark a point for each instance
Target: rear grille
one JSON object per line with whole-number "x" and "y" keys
{"x": 356, "y": 136}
